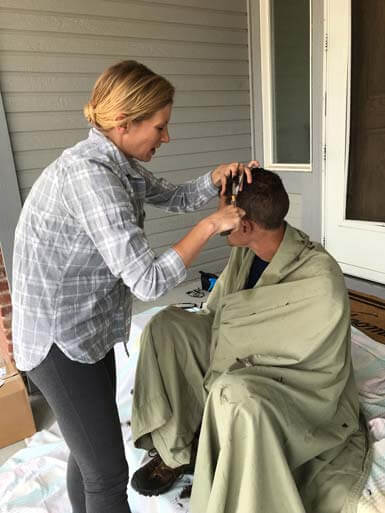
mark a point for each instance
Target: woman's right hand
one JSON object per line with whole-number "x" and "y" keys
{"x": 226, "y": 218}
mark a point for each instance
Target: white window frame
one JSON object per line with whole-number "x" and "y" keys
{"x": 267, "y": 99}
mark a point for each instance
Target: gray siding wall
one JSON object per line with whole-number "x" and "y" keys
{"x": 52, "y": 51}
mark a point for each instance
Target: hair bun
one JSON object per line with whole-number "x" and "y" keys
{"x": 89, "y": 113}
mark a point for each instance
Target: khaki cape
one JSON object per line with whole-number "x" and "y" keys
{"x": 280, "y": 429}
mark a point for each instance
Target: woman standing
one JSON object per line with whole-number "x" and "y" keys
{"x": 80, "y": 253}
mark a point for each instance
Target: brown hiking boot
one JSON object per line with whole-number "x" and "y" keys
{"x": 156, "y": 477}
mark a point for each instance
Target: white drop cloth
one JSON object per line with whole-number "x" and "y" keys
{"x": 33, "y": 480}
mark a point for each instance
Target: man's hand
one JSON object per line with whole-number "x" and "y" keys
{"x": 222, "y": 172}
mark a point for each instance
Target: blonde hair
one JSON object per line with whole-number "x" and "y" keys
{"x": 129, "y": 89}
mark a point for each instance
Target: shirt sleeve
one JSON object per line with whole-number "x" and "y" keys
{"x": 186, "y": 197}
{"x": 99, "y": 202}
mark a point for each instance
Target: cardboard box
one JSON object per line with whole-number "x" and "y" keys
{"x": 16, "y": 420}
{"x": 368, "y": 314}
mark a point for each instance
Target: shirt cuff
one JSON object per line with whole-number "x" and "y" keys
{"x": 160, "y": 274}
{"x": 176, "y": 264}
{"x": 205, "y": 184}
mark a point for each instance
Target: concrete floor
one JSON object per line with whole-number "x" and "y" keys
{"x": 42, "y": 413}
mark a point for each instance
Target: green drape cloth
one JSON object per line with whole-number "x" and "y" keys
{"x": 269, "y": 372}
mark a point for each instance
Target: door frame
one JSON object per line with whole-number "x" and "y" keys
{"x": 305, "y": 185}
{"x": 340, "y": 235}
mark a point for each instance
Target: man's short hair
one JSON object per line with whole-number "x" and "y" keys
{"x": 265, "y": 200}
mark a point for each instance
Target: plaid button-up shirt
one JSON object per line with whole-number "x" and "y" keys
{"x": 80, "y": 251}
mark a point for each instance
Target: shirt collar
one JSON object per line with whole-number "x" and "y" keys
{"x": 127, "y": 166}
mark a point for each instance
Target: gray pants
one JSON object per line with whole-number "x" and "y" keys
{"x": 82, "y": 397}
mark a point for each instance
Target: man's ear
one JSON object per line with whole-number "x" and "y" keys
{"x": 247, "y": 226}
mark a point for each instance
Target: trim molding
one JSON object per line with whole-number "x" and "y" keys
{"x": 10, "y": 202}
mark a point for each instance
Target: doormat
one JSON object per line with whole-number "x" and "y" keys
{"x": 368, "y": 314}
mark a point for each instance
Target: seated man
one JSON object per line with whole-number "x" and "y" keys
{"x": 264, "y": 375}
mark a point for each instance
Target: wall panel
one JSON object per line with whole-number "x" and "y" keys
{"x": 51, "y": 53}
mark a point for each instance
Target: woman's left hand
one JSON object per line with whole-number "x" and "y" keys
{"x": 222, "y": 172}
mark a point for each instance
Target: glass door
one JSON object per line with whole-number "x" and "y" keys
{"x": 354, "y": 193}
{"x": 366, "y": 172}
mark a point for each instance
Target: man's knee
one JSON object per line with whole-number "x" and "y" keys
{"x": 227, "y": 389}
{"x": 152, "y": 335}
{"x": 152, "y": 327}
{"x": 233, "y": 388}
{"x": 172, "y": 328}
{"x": 155, "y": 328}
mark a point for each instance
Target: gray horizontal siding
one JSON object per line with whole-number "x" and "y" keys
{"x": 53, "y": 82}
{"x": 73, "y": 64}
{"x": 51, "y": 53}
{"x": 179, "y": 147}
{"x": 103, "y": 45}
{"x": 192, "y": 27}
{"x": 47, "y": 121}
{"x": 131, "y": 12}
{"x": 43, "y": 139}
{"x": 63, "y": 101}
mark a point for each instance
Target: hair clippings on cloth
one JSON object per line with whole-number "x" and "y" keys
{"x": 196, "y": 293}
{"x": 246, "y": 362}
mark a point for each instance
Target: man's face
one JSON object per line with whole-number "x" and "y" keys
{"x": 239, "y": 238}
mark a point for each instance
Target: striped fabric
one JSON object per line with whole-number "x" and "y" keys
{"x": 80, "y": 251}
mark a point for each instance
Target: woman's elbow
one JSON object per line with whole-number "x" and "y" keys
{"x": 149, "y": 288}
{"x": 148, "y": 295}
